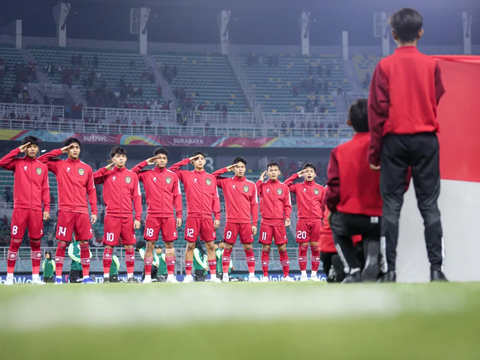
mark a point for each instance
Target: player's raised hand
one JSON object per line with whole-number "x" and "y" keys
{"x": 287, "y": 222}
{"x": 216, "y": 224}
{"x": 93, "y": 219}
{"x": 254, "y": 230}
{"x": 262, "y": 177}
{"x": 46, "y": 215}
{"x": 110, "y": 166}
{"x": 151, "y": 160}
{"x": 66, "y": 148}
{"x": 23, "y": 147}
{"x": 231, "y": 167}
{"x": 179, "y": 222}
{"x": 193, "y": 158}
{"x": 301, "y": 173}
{"x": 136, "y": 225}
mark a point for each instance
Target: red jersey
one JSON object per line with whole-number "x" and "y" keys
{"x": 310, "y": 197}
{"x": 241, "y": 200}
{"x": 326, "y": 243}
{"x": 30, "y": 187}
{"x": 275, "y": 202}
{"x": 162, "y": 190}
{"x": 405, "y": 90}
{"x": 201, "y": 191}
{"x": 120, "y": 187}
{"x": 75, "y": 181}
{"x": 353, "y": 187}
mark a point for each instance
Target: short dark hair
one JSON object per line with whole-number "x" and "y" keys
{"x": 270, "y": 164}
{"x": 72, "y": 140}
{"x": 33, "y": 140}
{"x": 118, "y": 150}
{"x": 406, "y": 23}
{"x": 159, "y": 151}
{"x": 309, "y": 165}
{"x": 158, "y": 247}
{"x": 198, "y": 153}
{"x": 358, "y": 115}
{"x": 239, "y": 159}
{"x": 140, "y": 244}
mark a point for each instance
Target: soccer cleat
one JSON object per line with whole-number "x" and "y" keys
{"x": 87, "y": 281}
{"x": 315, "y": 278}
{"x": 389, "y": 276}
{"x": 225, "y": 278}
{"x": 253, "y": 279}
{"x": 372, "y": 266}
{"x": 437, "y": 276}
{"x": 106, "y": 280}
{"x": 38, "y": 282}
{"x": 338, "y": 268}
{"x": 304, "y": 278}
{"x": 172, "y": 279}
{"x": 353, "y": 278}
{"x": 146, "y": 281}
{"x": 265, "y": 279}
{"x": 131, "y": 280}
{"x": 9, "y": 281}
{"x": 58, "y": 281}
{"x": 217, "y": 280}
{"x": 188, "y": 279}
{"x": 288, "y": 279}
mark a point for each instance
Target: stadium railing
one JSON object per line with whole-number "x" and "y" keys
{"x": 32, "y": 110}
{"x": 305, "y": 117}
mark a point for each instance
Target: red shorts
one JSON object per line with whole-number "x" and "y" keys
{"x": 232, "y": 230}
{"x": 267, "y": 232}
{"x": 69, "y": 222}
{"x": 153, "y": 226}
{"x": 308, "y": 231}
{"x": 199, "y": 226}
{"x": 23, "y": 218}
{"x": 115, "y": 228}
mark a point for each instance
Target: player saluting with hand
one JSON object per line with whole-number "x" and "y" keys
{"x": 276, "y": 208}
{"x": 120, "y": 189}
{"x": 30, "y": 190}
{"x": 202, "y": 201}
{"x": 163, "y": 192}
{"x": 75, "y": 182}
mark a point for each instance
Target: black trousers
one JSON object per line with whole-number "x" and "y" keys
{"x": 74, "y": 275}
{"x": 154, "y": 273}
{"x": 344, "y": 226}
{"x": 48, "y": 279}
{"x": 199, "y": 275}
{"x": 420, "y": 152}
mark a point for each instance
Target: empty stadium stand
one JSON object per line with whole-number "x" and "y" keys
{"x": 365, "y": 65}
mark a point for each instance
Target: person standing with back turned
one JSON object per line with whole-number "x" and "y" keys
{"x": 405, "y": 90}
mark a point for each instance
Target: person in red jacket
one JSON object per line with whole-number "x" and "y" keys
{"x": 30, "y": 190}
{"x": 163, "y": 192}
{"x": 202, "y": 200}
{"x": 120, "y": 189}
{"x": 353, "y": 198}
{"x": 405, "y": 90}
{"x": 276, "y": 208}
{"x": 241, "y": 202}
{"x": 75, "y": 182}
{"x": 310, "y": 196}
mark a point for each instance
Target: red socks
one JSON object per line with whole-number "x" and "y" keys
{"x": 130, "y": 260}
{"x": 148, "y": 265}
{"x": 285, "y": 262}
{"x": 60, "y": 258}
{"x": 212, "y": 264}
{"x": 36, "y": 255}
{"x": 227, "y": 253}
{"x": 107, "y": 260}
{"x": 265, "y": 262}
{"x": 13, "y": 254}
{"x": 250, "y": 256}
{"x": 85, "y": 259}
{"x": 315, "y": 257}
{"x": 302, "y": 256}
{"x": 188, "y": 267}
{"x": 170, "y": 260}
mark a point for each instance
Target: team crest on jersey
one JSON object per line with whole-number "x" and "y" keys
{"x": 81, "y": 171}
{"x": 279, "y": 191}
{"x": 128, "y": 179}
{"x": 208, "y": 181}
{"x": 39, "y": 171}
{"x": 246, "y": 188}
{"x": 168, "y": 180}
{"x": 316, "y": 192}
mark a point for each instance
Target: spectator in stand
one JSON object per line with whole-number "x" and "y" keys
{"x": 77, "y": 74}
{"x": 302, "y": 125}
{"x": 323, "y": 109}
{"x": 95, "y": 61}
{"x": 284, "y": 128}
{"x": 329, "y": 70}
{"x": 292, "y": 125}
{"x": 159, "y": 91}
{"x": 295, "y": 90}
{"x": 330, "y": 129}
{"x": 224, "y": 111}
{"x": 217, "y": 106}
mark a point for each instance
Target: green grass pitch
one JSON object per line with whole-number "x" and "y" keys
{"x": 241, "y": 321}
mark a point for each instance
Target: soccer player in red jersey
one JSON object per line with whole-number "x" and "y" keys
{"x": 241, "y": 202}
{"x": 30, "y": 190}
{"x": 310, "y": 197}
{"x": 75, "y": 181}
{"x": 276, "y": 208}
{"x": 120, "y": 189}
{"x": 162, "y": 190}
{"x": 202, "y": 201}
